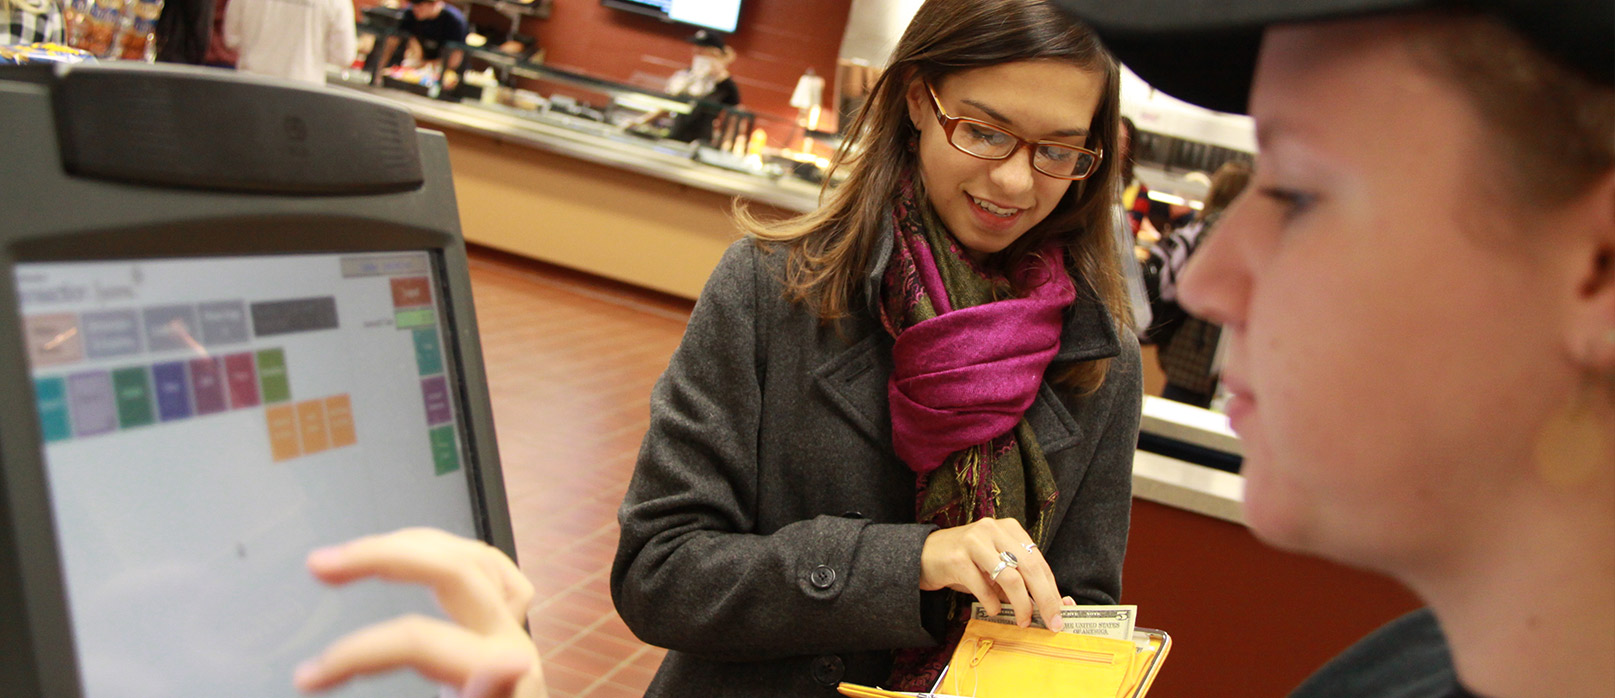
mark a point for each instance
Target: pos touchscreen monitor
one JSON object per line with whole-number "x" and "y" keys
{"x": 235, "y": 325}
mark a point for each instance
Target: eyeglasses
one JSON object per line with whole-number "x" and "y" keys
{"x": 989, "y": 142}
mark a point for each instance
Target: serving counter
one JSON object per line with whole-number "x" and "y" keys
{"x": 586, "y": 195}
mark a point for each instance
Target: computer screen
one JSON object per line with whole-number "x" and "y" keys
{"x": 207, "y": 422}
{"x": 218, "y": 370}
{"x": 718, "y": 15}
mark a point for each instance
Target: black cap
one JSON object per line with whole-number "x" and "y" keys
{"x": 707, "y": 39}
{"x": 1204, "y": 51}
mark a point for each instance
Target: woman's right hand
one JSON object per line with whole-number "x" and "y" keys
{"x": 484, "y": 652}
{"x": 961, "y": 558}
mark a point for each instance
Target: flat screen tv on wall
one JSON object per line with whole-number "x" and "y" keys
{"x": 717, "y": 15}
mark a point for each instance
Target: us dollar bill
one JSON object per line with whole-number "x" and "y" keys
{"x": 1104, "y": 621}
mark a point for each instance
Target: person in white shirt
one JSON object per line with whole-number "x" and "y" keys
{"x": 291, "y": 39}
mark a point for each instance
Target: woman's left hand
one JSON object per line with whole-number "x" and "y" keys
{"x": 484, "y": 652}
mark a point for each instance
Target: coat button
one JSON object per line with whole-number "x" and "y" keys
{"x": 853, "y": 515}
{"x": 828, "y": 670}
{"x": 822, "y": 577}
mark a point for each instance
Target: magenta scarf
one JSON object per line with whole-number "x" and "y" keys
{"x": 970, "y": 352}
{"x": 966, "y": 376}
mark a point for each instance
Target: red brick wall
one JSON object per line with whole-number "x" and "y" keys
{"x": 775, "y": 42}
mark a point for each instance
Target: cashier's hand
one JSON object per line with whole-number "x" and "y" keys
{"x": 483, "y": 652}
{"x": 962, "y": 558}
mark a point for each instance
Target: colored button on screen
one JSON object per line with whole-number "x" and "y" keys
{"x": 132, "y": 387}
{"x": 282, "y": 421}
{"x": 445, "y": 456}
{"x": 411, "y": 291}
{"x": 173, "y": 393}
{"x": 272, "y": 376}
{"x": 311, "y": 425}
{"x": 111, "y": 333}
{"x": 94, "y": 407}
{"x": 436, "y": 393}
{"x": 53, "y": 339}
{"x": 207, "y": 386}
{"x": 241, "y": 374}
{"x": 339, "y": 419}
{"x": 413, "y": 318}
{"x": 428, "y": 358}
{"x": 51, "y": 395}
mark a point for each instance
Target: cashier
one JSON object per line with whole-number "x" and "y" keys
{"x": 708, "y": 81}
{"x": 432, "y": 25}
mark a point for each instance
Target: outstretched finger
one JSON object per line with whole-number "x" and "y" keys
{"x": 1040, "y": 585}
{"x": 448, "y": 565}
{"x": 440, "y": 651}
{"x": 517, "y": 589}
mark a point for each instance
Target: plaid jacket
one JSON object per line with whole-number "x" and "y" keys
{"x": 1187, "y": 345}
{"x": 25, "y": 26}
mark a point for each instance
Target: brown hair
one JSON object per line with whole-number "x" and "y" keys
{"x": 829, "y": 249}
{"x": 1555, "y": 125}
{"x": 1226, "y": 184}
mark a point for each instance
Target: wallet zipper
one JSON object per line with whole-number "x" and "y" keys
{"x": 983, "y": 645}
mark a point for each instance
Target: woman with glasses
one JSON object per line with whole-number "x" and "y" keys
{"x": 920, "y": 395}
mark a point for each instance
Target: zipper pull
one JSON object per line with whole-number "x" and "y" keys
{"x": 982, "y": 645}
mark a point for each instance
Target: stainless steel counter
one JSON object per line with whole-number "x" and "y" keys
{"x": 1190, "y": 425}
{"x": 599, "y": 143}
{"x": 1187, "y": 486}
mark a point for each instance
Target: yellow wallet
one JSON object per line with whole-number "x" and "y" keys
{"x": 1006, "y": 661}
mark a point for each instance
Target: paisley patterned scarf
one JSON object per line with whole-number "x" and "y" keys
{"x": 970, "y": 351}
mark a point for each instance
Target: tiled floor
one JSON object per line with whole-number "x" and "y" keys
{"x": 571, "y": 360}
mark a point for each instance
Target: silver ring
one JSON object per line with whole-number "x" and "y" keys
{"x": 1009, "y": 559}
{"x": 1030, "y": 547}
{"x": 993, "y": 575}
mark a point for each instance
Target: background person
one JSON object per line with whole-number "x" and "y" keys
{"x": 431, "y": 25}
{"x": 1135, "y": 199}
{"x": 30, "y": 22}
{"x": 218, "y": 55}
{"x": 1187, "y": 344}
{"x": 1419, "y": 298}
{"x": 184, "y": 30}
{"x": 708, "y": 81}
{"x": 292, "y": 40}
{"x": 818, "y": 497}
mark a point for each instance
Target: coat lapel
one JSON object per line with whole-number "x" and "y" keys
{"x": 1055, "y": 428}
{"x": 855, "y": 380}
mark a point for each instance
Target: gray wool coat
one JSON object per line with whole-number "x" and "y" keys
{"x": 768, "y": 535}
